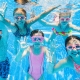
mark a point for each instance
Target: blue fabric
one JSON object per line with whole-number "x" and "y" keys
{"x": 17, "y": 34}
{"x": 4, "y": 68}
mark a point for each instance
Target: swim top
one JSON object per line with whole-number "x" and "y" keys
{"x": 77, "y": 67}
{"x": 36, "y": 62}
{"x": 61, "y": 33}
{"x": 17, "y": 34}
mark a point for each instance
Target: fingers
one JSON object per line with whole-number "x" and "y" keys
{"x": 4, "y": 5}
{"x": 3, "y": 8}
{"x": 22, "y": 44}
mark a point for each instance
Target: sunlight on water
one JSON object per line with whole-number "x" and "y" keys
{"x": 16, "y": 69}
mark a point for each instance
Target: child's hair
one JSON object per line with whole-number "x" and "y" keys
{"x": 21, "y": 1}
{"x": 20, "y": 10}
{"x": 36, "y": 31}
{"x": 69, "y": 38}
{"x": 64, "y": 12}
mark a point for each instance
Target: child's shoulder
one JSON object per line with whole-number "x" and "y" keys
{"x": 45, "y": 49}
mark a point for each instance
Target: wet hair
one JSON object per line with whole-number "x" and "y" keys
{"x": 69, "y": 38}
{"x": 21, "y": 1}
{"x": 36, "y": 31}
{"x": 64, "y": 12}
{"x": 20, "y": 10}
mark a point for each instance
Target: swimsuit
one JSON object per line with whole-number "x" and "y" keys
{"x": 77, "y": 67}
{"x": 61, "y": 33}
{"x": 17, "y": 34}
{"x": 4, "y": 68}
{"x": 36, "y": 62}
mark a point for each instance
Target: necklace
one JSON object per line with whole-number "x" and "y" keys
{"x": 61, "y": 33}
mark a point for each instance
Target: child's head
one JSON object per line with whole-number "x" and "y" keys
{"x": 36, "y": 31}
{"x": 64, "y": 16}
{"x": 37, "y": 37}
{"x": 19, "y": 11}
{"x": 64, "y": 12}
{"x": 19, "y": 16}
{"x": 21, "y": 1}
{"x": 72, "y": 44}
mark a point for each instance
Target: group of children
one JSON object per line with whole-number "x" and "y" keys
{"x": 38, "y": 53}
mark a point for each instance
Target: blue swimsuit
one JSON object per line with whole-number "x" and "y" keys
{"x": 17, "y": 34}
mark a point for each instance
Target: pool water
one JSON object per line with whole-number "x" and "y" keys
{"x": 16, "y": 69}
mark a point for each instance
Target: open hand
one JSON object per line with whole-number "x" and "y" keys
{"x": 22, "y": 42}
{"x": 3, "y": 9}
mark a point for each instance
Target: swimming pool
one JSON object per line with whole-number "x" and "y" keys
{"x": 16, "y": 70}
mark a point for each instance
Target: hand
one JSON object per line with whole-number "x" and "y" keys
{"x": 3, "y": 10}
{"x": 22, "y": 42}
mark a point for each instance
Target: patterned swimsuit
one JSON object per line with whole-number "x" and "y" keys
{"x": 77, "y": 67}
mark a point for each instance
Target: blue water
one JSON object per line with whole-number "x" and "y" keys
{"x": 16, "y": 69}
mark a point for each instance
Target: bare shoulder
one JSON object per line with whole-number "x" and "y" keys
{"x": 46, "y": 51}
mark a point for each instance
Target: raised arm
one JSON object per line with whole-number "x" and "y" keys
{"x": 60, "y": 65}
{"x": 23, "y": 51}
{"x": 2, "y": 17}
{"x": 42, "y": 15}
{"x": 51, "y": 60}
{"x": 52, "y": 37}
{"x": 74, "y": 27}
{"x": 45, "y": 23}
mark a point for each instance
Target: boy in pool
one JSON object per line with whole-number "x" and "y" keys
{"x": 36, "y": 54}
{"x": 4, "y": 61}
{"x": 72, "y": 44}
{"x": 21, "y": 27}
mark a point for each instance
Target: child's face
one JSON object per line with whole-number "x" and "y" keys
{"x": 19, "y": 19}
{"x": 37, "y": 39}
{"x": 73, "y": 47}
{"x": 64, "y": 20}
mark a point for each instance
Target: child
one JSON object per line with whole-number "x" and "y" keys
{"x": 21, "y": 27}
{"x": 72, "y": 44}
{"x": 4, "y": 61}
{"x": 64, "y": 27}
{"x": 36, "y": 53}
